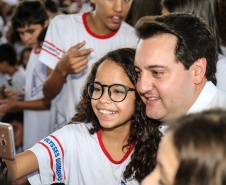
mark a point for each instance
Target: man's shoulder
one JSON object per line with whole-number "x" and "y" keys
{"x": 219, "y": 97}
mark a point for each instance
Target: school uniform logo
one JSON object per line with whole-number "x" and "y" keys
{"x": 56, "y": 154}
{"x": 37, "y": 83}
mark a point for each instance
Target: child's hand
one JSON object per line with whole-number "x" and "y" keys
{"x": 11, "y": 95}
{"x": 3, "y": 170}
{"x": 6, "y": 106}
{"x": 74, "y": 61}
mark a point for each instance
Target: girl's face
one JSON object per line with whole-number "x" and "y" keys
{"x": 167, "y": 164}
{"x": 109, "y": 113}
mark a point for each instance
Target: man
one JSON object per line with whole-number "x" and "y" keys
{"x": 176, "y": 65}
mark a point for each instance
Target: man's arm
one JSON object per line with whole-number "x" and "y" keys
{"x": 73, "y": 62}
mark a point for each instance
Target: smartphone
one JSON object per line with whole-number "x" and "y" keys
{"x": 7, "y": 145}
{"x": 13, "y": 85}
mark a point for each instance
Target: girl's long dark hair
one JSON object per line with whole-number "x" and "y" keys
{"x": 143, "y": 131}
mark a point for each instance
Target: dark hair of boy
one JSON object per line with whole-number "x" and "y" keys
{"x": 29, "y": 12}
{"x": 42, "y": 34}
{"x": 51, "y": 5}
{"x": 15, "y": 115}
{"x": 8, "y": 54}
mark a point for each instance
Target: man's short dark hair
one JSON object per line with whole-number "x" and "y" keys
{"x": 194, "y": 38}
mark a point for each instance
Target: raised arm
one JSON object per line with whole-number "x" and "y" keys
{"x": 40, "y": 104}
{"x": 24, "y": 164}
{"x": 73, "y": 62}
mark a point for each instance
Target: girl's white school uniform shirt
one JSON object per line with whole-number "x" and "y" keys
{"x": 36, "y": 122}
{"x": 72, "y": 156}
{"x": 64, "y": 32}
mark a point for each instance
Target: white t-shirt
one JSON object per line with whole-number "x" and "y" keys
{"x": 64, "y": 32}
{"x": 36, "y": 122}
{"x": 72, "y": 156}
{"x": 221, "y": 72}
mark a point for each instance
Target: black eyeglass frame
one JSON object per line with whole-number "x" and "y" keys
{"x": 109, "y": 92}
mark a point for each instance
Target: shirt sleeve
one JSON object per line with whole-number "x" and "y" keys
{"x": 50, "y": 154}
{"x": 53, "y": 45}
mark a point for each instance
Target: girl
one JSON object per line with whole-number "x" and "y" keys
{"x": 109, "y": 141}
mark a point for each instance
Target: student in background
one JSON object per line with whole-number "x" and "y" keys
{"x": 15, "y": 118}
{"x": 9, "y": 67}
{"x": 24, "y": 57}
{"x": 141, "y": 8}
{"x": 72, "y": 44}
{"x": 52, "y": 8}
{"x": 29, "y": 19}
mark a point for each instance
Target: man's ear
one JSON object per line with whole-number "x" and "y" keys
{"x": 46, "y": 23}
{"x": 199, "y": 69}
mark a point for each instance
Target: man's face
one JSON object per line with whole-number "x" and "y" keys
{"x": 164, "y": 85}
{"x": 30, "y": 33}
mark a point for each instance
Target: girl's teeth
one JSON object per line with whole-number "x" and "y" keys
{"x": 105, "y": 112}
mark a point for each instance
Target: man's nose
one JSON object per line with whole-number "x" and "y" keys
{"x": 144, "y": 84}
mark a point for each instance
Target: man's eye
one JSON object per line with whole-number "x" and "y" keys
{"x": 157, "y": 73}
{"x": 138, "y": 73}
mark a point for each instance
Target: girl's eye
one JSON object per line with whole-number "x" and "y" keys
{"x": 96, "y": 89}
{"x": 119, "y": 92}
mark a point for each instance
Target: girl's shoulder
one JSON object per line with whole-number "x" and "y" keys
{"x": 77, "y": 128}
